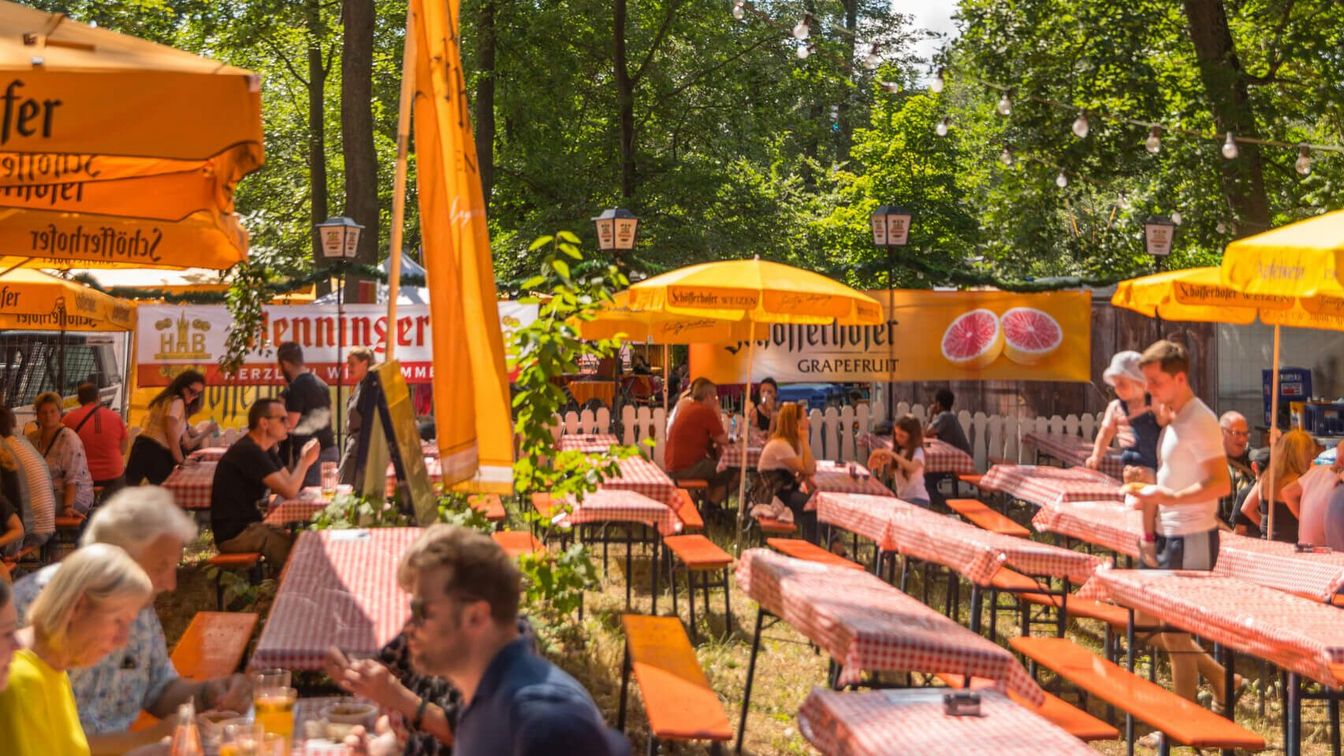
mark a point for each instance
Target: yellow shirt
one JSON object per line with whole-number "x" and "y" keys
{"x": 37, "y": 711}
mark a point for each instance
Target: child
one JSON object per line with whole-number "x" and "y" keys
{"x": 906, "y": 459}
{"x": 1130, "y": 416}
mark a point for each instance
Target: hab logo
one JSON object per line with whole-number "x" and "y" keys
{"x": 181, "y": 339}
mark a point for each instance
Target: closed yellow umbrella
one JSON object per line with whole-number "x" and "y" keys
{"x": 754, "y": 291}
{"x": 33, "y": 300}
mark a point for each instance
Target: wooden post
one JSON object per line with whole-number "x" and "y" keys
{"x": 399, "y": 182}
{"x": 1273, "y": 424}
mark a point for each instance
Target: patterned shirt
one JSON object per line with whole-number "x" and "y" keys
{"x": 111, "y": 693}
{"x": 37, "y": 506}
{"x": 68, "y": 464}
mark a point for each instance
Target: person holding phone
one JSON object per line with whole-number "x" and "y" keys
{"x": 247, "y": 475}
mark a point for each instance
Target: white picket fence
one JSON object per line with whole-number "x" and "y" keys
{"x": 836, "y": 430}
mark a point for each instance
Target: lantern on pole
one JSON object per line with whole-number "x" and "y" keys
{"x": 891, "y": 229}
{"x": 338, "y": 239}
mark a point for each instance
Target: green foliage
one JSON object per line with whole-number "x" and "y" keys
{"x": 351, "y": 511}
{"x": 245, "y": 299}
{"x": 455, "y": 509}
{"x": 240, "y": 593}
{"x": 553, "y": 586}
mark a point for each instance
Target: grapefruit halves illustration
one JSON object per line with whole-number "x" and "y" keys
{"x": 1030, "y": 335}
{"x": 973, "y": 340}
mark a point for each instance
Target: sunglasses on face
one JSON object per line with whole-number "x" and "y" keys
{"x": 419, "y": 606}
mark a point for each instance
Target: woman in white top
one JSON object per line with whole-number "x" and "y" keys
{"x": 786, "y": 468}
{"x": 906, "y": 460}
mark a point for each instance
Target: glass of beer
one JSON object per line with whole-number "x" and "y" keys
{"x": 330, "y": 477}
{"x": 273, "y": 702}
{"x": 241, "y": 740}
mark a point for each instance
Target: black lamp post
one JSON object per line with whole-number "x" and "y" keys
{"x": 339, "y": 237}
{"x": 891, "y": 229}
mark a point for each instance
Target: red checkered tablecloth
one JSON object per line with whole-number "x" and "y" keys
{"x": 1108, "y": 524}
{"x": 912, "y": 721}
{"x": 339, "y": 589}
{"x": 1278, "y": 565}
{"x": 1073, "y": 451}
{"x": 835, "y": 477}
{"x": 208, "y": 453}
{"x": 972, "y": 552}
{"x": 1042, "y": 484}
{"x": 190, "y": 484}
{"x": 643, "y": 477}
{"x": 586, "y": 442}
{"x": 1297, "y": 634}
{"x": 939, "y": 456}
{"x": 606, "y": 505}
{"x": 732, "y": 454}
{"x": 866, "y": 624}
{"x": 294, "y": 511}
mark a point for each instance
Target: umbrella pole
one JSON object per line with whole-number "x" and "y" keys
{"x": 399, "y": 181}
{"x": 1273, "y": 423}
{"x": 746, "y": 433}
{"x": 667, "y": 375}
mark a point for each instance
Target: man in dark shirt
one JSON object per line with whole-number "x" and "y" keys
{"x": 464, "y": 627}
{"x": 308, "y": 404}
{"x": 945, "y": 426}
{"x": 246, "y": 476}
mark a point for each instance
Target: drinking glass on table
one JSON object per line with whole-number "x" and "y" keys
{"x": 330, "y": 477}
{"x": 242, "y": 740}
{"x": 273, "y": 702}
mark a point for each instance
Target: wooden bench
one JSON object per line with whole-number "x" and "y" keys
{"x": 517, "y": 542}
{"x": 691, "y": 521}
{"x": 698, "y": 555}
{"x": 769, "y": 526}
{"x": 1063, "y": 714}
{"x": 212, "y": 646}
{"x": 970, "y": 479}
{"x": 1185, "y": 722}
{"x": 242, "y": 561}
{"x": 980, "y": 515}
{"x": 1032, "y": 592}
{"x": 489, "y": 505}
{"x": 678, "y": 701}
{"x": 809, "y": 552}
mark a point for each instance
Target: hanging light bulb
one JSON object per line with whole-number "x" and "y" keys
{"x": 1154, "y": 141}
{"x": 1230, "y": 150}
{"x": 1080, "y": 125}
{"x": 1005, "y": 106}
{"x": 804, "y": 27}
{"x": 873, "y": 59}
{"x": 936, "y": 83}
{"x": 943, "y": 126}
{"x": 1062, "y": 180}
{"x": 804, "y": 51}
{"x": 739, "y": 10}
{"x": 1006, "y": 157}
{"x": 1221, "y": 227}
{"x": 1176, "y": 217}
{"x": 1303, "y": 164}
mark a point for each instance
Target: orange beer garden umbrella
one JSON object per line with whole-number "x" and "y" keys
{"x": 31, "y": 300}
{"x": 103, "y": 136}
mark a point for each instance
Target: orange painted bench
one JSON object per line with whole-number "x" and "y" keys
{"x": 1032, "y": 592}
{"x": 489, "y": 505}
{"x": 1185, "y": 722}
{"x": 1063, "y": 714}
{"x": 699, "y": 556}
{"x": 517, "y": 542}
{"x": 678, "y": 701}
{"x": 237, "y": 562}
{"x": 771, "y": 526}
{"x": 809, "y": 552}
{"x": 212, "y": 646}
{"x": 691, "y": 521}
{"x": 975, "y": 512}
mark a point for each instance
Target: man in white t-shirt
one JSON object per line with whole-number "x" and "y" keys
{"x": 1181, "y": 512}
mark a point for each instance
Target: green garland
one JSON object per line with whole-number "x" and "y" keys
{"x": 271, "y": 288}
{"x": 967, "y": 278}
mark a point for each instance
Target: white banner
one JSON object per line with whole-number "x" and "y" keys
{"x": 172, "y": 338}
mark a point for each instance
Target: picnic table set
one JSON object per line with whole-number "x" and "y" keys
{"x": 1043, "y": 484}
{"x": 1073, "y": 450}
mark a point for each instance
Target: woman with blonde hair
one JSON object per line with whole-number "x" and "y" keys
{"x": 1293, "y": 454}
{"x": 787, "y": 464}
{"x": 81, "y": 616}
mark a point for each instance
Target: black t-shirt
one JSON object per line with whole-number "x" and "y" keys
{"x": 309, "y": 396}
{"x": 238, "y": 485}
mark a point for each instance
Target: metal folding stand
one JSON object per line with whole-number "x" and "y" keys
{"x": 1292, "y": 713}
{"x": 647, "y": 535}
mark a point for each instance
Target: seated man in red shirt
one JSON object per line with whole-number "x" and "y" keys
{"x": 104, "y": 436}
{"x": 695, "y": 440}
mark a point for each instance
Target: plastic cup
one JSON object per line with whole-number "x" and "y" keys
{"x": 330, "y": 478}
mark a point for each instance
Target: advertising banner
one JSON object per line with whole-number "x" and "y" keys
{"x": 928, "y": 336}
{"x": 172, "y": 338}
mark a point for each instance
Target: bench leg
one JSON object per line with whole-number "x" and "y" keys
{"x": 1129, "y": 664}
{"x": 1294, "y": 715}
{"x": 653, "y": 580}
{"x": 690, "y": 602}
{"x": 629, "y": 566}
{"x": 672, "y": 586}
{"x": 994, "y": 614}
{"x": 625, "y": 687}
{"x": 728, "y": 612}
{"x": 751, "y": 674}
{"x": 1332, "y": 706}
{"x": 976, "y": 597}
{"x": 905, "y": 571}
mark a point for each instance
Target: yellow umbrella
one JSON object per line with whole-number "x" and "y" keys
{"x": 204, "y": 239}
{"x": 1199, "y": 294}
{"x": 1296, "y": 260}
{"x": 754, "y": 291}
{"x": 33, "y": 300}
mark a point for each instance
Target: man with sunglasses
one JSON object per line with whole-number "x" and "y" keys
{"x": 247, "y": 474}
{"x": 464, "y": 627}
{"x": 1236, "y": 445}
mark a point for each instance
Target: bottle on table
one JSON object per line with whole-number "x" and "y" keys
{"x": 186, "y": 736}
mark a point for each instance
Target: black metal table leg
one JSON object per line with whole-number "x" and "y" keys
{"x": 751, "y": 674}
{"x": 1129, "y": 664}
{"x": 625, "y": 686}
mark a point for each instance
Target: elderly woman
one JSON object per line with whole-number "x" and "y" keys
{"x": 148, "y": 525}
{"x": 81, "y": 616}
{"x": 64, "y": 453}
{"x": 31, "y": 491}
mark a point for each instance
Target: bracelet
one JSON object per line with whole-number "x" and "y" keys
{"x": 420, "y": 714}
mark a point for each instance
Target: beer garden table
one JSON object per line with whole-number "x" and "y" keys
{"x": 912, "y": 721}
{"x": 1073, "y": 451}
{"x": 586, "y": 442}
{"x": 607, "y": 505}
{"x": 1108, "y": 524}
{"x": 835, "y": 477}
{"x": 339, "y": 589}
{"x": 190, "y": 484}
{"x": 641, "y": 476}
{"x": 1042, "y": 484}
{"x": 940, "y": 457}
{"x": 865, "y": 624}
{"x": 1279, "y": 565}
{"x": 1305, "y": 638}
{"x": 732, "y": 454}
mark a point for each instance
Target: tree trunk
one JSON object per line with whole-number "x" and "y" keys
{"x": 361, "y": 161}
{"x": 485, "y": 98}
{"x": 317, "y": 154}
{"x": 1229, "y": 101}
{"x": 844, "y": 114}
{"x": 625, "y": 100}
